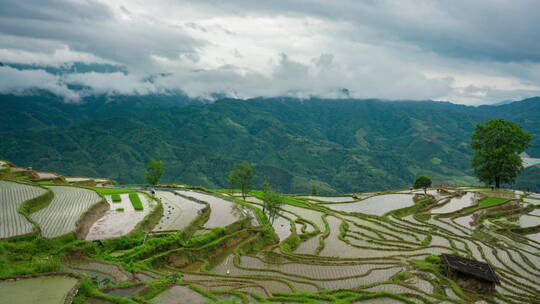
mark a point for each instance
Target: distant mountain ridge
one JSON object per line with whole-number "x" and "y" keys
{"x": 341, "y": 145}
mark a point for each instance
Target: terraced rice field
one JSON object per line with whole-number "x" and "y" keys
{"x": 43, "y": 290}
{"x": 117, "y": 223}
{"x": 532, "y": 200}
{"x": 223, "y": 212}
{"x": 467, "y": 200}
{"x": 526, "y": 221}
{"x": 178, "y": 211}
{"x": 173, "y": 294}
{"x": 330, "y": 252}
{"x": 12, "y": 195}
{"x": 67, "y": 207}
{"x": 366, "y": 249}
{"x": 331, "y": 199}
{"x": 115, "y": 272}
{"x": 47, "y": 175}
{"x": 377, "y": 205}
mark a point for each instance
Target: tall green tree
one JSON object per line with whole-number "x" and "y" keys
{"x": 272, "y": 202}
{"x": 154, "y": 171}
{"x": 496, "y": 145}
{"x": 423, "y": 182}
{"x": 241, "y": 177}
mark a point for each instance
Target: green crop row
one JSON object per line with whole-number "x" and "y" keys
{"x": 110, "y": 191}
{"x": 487, "y": 202}
{"x": 136, "y": 201}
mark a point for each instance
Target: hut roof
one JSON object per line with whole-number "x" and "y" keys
{"x": 477, "y": 269}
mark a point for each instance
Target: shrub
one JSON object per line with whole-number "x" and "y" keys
{"x": 120, "y": 209}
{"x": 116, "y": 198}
{"x": 136, "y": 201}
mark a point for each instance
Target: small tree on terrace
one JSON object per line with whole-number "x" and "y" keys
{"x": 154, "y": 170}
{"x": 422, "y": 182}
{"x": 271, "y": 202}
{"x": 496, "y": 146}
{"x": 242, "y": 177}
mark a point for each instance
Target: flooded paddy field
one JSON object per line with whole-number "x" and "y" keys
{"x": 330, "y": 199}
{"x": 361, "y": 246}
{"x": 173, "y": 294}
{"x": 377, "y": 205}
{"x": 65, "y": 210}
{"x": 467, "y": 200}
{"x": 44, "y": 289}
{"x": 121, "y": 218}
{"x": 322, "y": 249}
{"x": 223, "y": 212}
{"x": 12, "y": 196}
{"x": 178, "y": 212}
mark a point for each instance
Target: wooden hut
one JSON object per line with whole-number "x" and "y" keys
{"x": 470, "y": 274}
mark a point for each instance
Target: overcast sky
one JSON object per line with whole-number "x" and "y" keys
{"x": 463, "y": 51}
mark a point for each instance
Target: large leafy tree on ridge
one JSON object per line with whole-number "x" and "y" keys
{"x": 497, "y": 145}
{"x": 423, "y": 182}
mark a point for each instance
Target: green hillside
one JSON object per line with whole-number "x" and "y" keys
{"x": 335, "y": 145}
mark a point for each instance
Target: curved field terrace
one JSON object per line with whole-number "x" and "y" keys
{"x": 178, "y": 211}
{"x": 12, "y": 195}
{"x": 31, "y": 290}
{"x": 120, "y": 219}
{"x": 65, "y": 210}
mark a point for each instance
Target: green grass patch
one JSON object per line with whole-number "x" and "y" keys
{"x": 120, "y": 209}
{"x": 136, "y": 201}
{"x": 432, "y": 263}
{"x": 46, "y": 183}
{"x": 401, "y": 277}
{"x": 116, "y": 198}
{"x": 487, "y": 202}
{"x": 110, "y": 191}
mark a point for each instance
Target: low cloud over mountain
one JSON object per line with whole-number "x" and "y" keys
{"x": 467, "y": 52}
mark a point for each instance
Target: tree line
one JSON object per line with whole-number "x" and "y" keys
{"x": 496, "y": 145}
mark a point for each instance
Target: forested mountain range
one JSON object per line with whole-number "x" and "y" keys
{"x": 338, "y": 145}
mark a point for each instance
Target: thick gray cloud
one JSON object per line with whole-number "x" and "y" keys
{"x": 471, "y": 52}
{"x": 505, "y": 30}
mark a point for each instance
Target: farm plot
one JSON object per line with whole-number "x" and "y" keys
{"x": 173, "y": 294}
{"x": 77, "y": 179}
{"x": 47, "y": 175}
{"x": 282, "y": 227}
{"x": 433, "y": 192}
{"x": 330, "y": 199}
{"x": 67, "y": 207}
{"x": 376, "y": 205}
{"x": 465, "y": 221}
{"x": 361, "y": 252}
{"x": 43, "y": 290}
{"x": 526, "y": 221}
{"x": 178, "y": 212}
{"x": 467, "y": 200}
{"x": 305, "y": 213}
{"x": 12, "y": 195}
{"x": 116, "y": 223}
{"x": 223, "y": 212}
{"x": 534, "y": 201}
